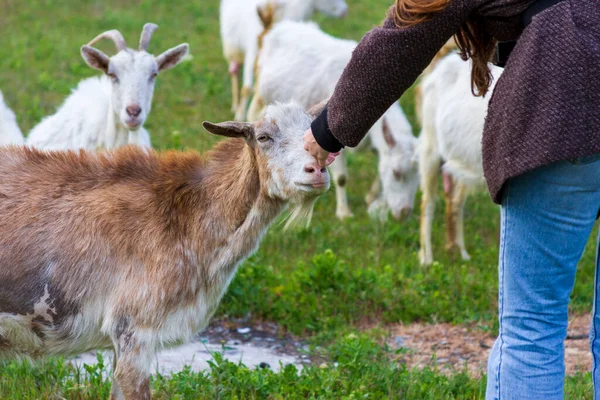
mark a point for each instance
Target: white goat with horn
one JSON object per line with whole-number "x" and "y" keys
{"x": 109, "y": 111}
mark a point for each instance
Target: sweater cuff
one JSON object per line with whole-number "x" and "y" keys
{"x": 322, "y": 134}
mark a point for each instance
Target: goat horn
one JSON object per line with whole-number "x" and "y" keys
{"x": 113, "y": 35}
{"x": 147, "y": 32}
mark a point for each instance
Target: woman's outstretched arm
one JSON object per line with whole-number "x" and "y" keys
{"x": 383, "y": 66}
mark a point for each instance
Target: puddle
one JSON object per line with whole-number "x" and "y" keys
{"x": 257, "y": 346}
{"x": 198, "y": 354}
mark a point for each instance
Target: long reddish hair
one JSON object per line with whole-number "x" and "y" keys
{"x": 472, "y": 39}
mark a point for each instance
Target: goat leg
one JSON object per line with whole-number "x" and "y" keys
{"x": 339, "y": 172}
{"x": 374, "y": 192}
{"x": 131, "y": 376}
{"x": 234, "y": 72}
{"x": 450, "y": 212}
{"x": 458, "y": 207}
{"x": 429, "y": 168}
{"x": 256, "y": 107}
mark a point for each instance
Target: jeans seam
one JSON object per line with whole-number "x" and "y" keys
{"x": 501, "y": 286}
{"x": 595, "y": 330}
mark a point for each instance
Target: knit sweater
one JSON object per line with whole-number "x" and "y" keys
{"x": 545, "y": 107}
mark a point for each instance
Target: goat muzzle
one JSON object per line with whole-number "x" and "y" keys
{"x": 133, "y": 111}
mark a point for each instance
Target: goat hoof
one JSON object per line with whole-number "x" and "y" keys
{"x": 465, "y": 256}
{"x": 342, "y": 215}
{"x": 425, "y": 260}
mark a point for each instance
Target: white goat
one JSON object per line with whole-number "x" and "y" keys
{"x": 241, "y": 28}
{"x": 108, "y": 111}
{"x": 396, "y": 185}
{"x": 452, "y": 121}
{"x": 133, "y": 249}
{"x": 9, "y": 129}
{"x": 307, "y": 71}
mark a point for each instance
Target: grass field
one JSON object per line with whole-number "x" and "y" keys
{"x": 322, "y": 283}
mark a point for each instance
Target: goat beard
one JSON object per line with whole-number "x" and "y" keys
{"x": 300, "y": 214}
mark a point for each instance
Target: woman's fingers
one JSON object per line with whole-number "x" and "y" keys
{"x": 331, "y": 158}
{"x": 323, "y": 157}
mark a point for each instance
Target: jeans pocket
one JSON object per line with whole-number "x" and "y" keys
{"x": 585, "y": 159}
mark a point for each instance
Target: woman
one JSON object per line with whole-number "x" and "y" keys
{"x": 541, "y": 153}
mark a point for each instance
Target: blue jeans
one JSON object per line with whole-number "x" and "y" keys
{"x": 547, "y": 217}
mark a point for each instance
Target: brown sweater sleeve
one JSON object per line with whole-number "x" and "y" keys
{"x": 384, "y": 64}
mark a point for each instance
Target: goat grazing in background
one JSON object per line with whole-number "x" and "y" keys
{"x": 132, "y": 249}
{"x": 307, "y": 71}
{"x": 452, "y": 121}
{"x": 241, "y": 28}
{"x": 108, "y": 111}
{"x": 9, "y": 129}
{"x": 395, "y": 187}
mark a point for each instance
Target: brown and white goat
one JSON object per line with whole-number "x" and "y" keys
{"x": 133, "y": 249}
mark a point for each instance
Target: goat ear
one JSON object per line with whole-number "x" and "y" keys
{"x": 317, "y": 109}
{"x": 266, "y": 13}
{"x": 172, "y": 57}
{"x": 387, "y": 133}
{"x": 95, "y": 58}
{"x": 244, "y": 130}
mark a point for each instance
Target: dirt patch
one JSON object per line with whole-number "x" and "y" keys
{"x": 453, "y": 348}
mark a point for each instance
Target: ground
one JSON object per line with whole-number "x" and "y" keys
{"x": 450, "y": 348}
{"x": 350, "y": 292}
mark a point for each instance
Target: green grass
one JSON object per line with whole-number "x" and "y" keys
{"x": 359, "y": 369}
{"x": 320, "y": 283}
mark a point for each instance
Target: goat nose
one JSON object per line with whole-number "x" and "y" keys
{"x": 314, "y": 168}
{"x": 133, "y": 111}
{"x": 309, "y": 169}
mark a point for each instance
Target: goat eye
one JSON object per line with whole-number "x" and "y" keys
{"x": 154, "y": 75}
{"x": 263, "y": 138}
{"x": 113, "y": 77}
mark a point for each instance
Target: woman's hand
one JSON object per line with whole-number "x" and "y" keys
{"x": 324, "y": 158}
